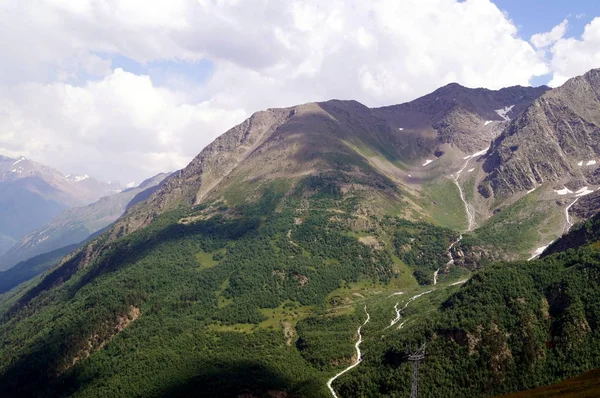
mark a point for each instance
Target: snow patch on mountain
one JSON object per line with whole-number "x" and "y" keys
{"x": 476, "y": 154}
{"x": 538, "y": 252}
{"x": 564, "y": 191}
{"x": 19, "y": 161}
{"x": 584, "y": 191}
{"x": 76, "y": 178}
{"x": 503, "y": 112}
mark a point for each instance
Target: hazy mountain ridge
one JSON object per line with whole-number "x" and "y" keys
{"x": 31, "y": 194}
{"x": 77, "y": 189}
{"x": 75, "y": 225}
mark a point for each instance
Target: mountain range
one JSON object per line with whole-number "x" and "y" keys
{"x": 256, "y": 269}
{"x": 31, "y": 194}
{"x": 76, "y": 224}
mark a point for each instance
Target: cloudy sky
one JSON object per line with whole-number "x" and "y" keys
{"x": 124, "y": 89}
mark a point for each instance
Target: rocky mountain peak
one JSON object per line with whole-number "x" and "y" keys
{"x": 556, "y": 139}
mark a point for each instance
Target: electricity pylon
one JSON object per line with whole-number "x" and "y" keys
{"x": 415, "y": 358}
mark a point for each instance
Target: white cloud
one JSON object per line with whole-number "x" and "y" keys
{"x": 572, "y": 57}
{"x": 122, "y": 126}
{"x": 68, "y": 108}
{"x": 543, "y": 40}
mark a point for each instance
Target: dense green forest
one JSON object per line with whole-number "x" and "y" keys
{"x": 265, "y": 298}
{"x": 513, "y": 326}
{"x": 213, "y": 294}
{"x": 423, "y": 246}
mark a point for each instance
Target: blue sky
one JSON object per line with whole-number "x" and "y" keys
{"x": 535, "y": 16}
{"x": 163, "y": 72}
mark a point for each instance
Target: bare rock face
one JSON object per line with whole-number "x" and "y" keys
{"x": 453, "y": 115}
{"x": 188, "y": 186}
{"x": 461, "y": 116}
{"x": 557, "y": 138}
{"x": 338, "y": 137}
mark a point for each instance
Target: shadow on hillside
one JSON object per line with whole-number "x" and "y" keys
{"x": 241, "y": 379}
{"x": 133, "y": 248}
{"x": 33, "y": 377}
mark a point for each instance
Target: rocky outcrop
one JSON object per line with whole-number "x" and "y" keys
{"x": 105, "y": 333}
{"x": 190, "y": 185}
{"x": 555, "y": 139}
{"x": 460, "y": 116}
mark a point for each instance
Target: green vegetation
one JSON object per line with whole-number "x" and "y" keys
{"x": 26, "y": 270}
{"x": 586, "y": 233}
{"x": 175, "y": 305}
{"x": 423, "y": 246}
{"x": 209, "y": 260}
{"x": 514, "y": 230}
{"x": 513, "y": 326}
{"x": 265, "y": 297}
{"x": 586, "y": 385}
{"x": 444, "y": 204}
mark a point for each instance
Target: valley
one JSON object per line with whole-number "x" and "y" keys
{"x": 307, "y": 251}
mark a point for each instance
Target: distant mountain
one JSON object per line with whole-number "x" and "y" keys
{"x": 27, "y": 204}
{"x": 32, "y": 194}
{"x": 76, "y": 224}
{"x": 78, "y": 189}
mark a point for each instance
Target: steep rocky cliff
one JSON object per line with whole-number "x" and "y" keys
{"x": 556, "y": 139}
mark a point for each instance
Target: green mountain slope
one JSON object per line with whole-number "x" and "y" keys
{"x": 586, "y": 385}
{"x": 511, "y": 327}
{"x": 249, "y": 272}
{"x": 199, "y": 290}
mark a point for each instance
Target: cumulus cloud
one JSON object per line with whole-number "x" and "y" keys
{"x": 64, "y": 103}
{"x": 121, "y": 126}
{"x": 575, "y": 56}
{"x": 543, "y": 40}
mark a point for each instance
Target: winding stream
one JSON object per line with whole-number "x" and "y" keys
{"x": 358, "y": 357}
{"x": 399, "y": 311}
{"x": 470, "y": 215}
{"x": 451, "y": 261}
{"x": 568, "y": 223}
